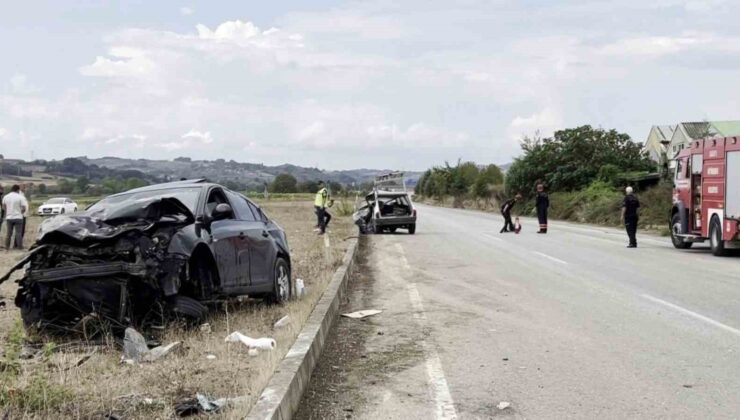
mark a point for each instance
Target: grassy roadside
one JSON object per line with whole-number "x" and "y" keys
{"x": 74, "y": 380}
{"x": 598, "y": 204}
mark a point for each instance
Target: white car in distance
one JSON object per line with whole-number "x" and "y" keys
{"x": 57, "y": 205}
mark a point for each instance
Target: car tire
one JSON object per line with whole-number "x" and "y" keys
{"x": 715, "y": 238}
{"x": 282, "y": 284}
{"x": 189, "y": 308}
{"x": 392, "y": 230}
{"x": 677, "y": 241}
{"x": 412, "y": 229}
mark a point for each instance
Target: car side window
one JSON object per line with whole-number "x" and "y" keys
{"x": 241, "y": 207}
{"x": 257, "y": 212}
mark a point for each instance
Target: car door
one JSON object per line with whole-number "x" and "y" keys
{"x": 247, "y": 224}
{"x": 225, "y": 240}
{"x": 262, "y": 248}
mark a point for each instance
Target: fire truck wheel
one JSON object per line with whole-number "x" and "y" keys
{"x": 715, "y": 238}
{"x": 678, "y": 241}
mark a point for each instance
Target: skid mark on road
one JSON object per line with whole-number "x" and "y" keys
{"x": 693, "y": 314}
{"x": 557, "y": 260}
{"x": 445, "y": 407}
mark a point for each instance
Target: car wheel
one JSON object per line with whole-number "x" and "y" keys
{"x": 412, "y": 229}
{"x": 282, "y": 283}
{"x": 188, "y": 307}
{"x": 715, "y": 238}
{"x": 392, "y": 230}
{"x": 678, "y": 241}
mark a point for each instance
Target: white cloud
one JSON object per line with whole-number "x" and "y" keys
{"x": 3, "y": 132}
{"x": 343, "y": 22}
{"x": 186, "y": 11}
{"x": 126, "y": 62}
{"x": 542, "y": 123}
{"x": 202, "y": 137}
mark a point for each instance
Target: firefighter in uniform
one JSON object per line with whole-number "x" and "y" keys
{"x": 542, "y": 204}
{"x": 321, "y": 202}
{"x": 630, "y": 216}
{"x": 506, "y": 212}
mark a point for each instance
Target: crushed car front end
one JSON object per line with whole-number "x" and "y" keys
{"x": 119, "y": 269}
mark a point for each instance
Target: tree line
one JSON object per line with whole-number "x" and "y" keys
{"x": 570, "y": 160}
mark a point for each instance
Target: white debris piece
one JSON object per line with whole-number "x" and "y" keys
{"x": 503, "y": 405}
{"x": 300, "y": 288}
{"x": 253, "y": 352}
{"x": 211, "y": 356}
{"x": 282, "y": 322}
{"x": 252, "y": 343}
{"x": 136, "y": 350}
{"x": 362, "y": 314}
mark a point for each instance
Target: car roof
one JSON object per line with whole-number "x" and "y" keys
{"x": 169, "y": 185}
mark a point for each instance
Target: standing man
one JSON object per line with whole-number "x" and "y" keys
{"x": 320, "y": 204}
{"x": 630, "y": 216}
{"x": 2, "y": 209}
{"x": 542, "y": 204}
{"x": 14, "y": 205}
{"x": 506, "y": 212}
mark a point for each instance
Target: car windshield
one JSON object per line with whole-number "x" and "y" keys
{"x": 55, "y": 201}
{"x": 122, "y": 204}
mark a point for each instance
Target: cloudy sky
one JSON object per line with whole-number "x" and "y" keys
{"x": 375, "y": 83}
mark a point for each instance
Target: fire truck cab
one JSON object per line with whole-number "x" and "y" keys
{"x": 706, "y": 194}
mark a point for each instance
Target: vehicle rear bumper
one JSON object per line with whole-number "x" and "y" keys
{"x": 395, "y": 221}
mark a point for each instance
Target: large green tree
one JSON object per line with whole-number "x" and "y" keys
{"x": 573, "y": 158}
{"x": 284, "y": 183}
{"x": 487, "y": 178}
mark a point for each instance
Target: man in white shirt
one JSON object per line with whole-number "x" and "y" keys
{"x": 15, "y": 206}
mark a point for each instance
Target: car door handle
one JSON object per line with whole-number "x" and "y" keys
{"x": 265, "y": 234}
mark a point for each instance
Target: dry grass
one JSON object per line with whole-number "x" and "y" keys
{"x": 52, "y": 385}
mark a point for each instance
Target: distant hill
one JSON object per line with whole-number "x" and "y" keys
{"x": 251, "y": 174}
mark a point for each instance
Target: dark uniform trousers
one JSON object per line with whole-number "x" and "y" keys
{"x": 630, "y": 223}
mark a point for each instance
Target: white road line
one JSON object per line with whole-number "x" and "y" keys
{"x": 445, "y": 407}
{"x": 693, "y": 314}
{"x": 440, "y": 390}
{"x": 557, "y": 260}
{"x": 495, "y": 238}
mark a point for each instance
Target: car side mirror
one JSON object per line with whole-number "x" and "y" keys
{"x": 222, "y": 211}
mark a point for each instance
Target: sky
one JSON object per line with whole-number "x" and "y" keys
{"x": 401, "y": 84}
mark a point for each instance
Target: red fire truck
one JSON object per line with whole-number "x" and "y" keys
{"x": 706, "y": 195}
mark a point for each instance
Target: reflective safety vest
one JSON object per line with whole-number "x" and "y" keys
{"x": 321, "y": 198}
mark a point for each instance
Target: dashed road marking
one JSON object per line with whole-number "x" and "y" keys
{"x": 557, "y": 260}
{"x": 445, "y": 407}
{"x": 693, "y": 314}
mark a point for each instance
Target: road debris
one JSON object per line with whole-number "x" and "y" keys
{"x": 282, "y": 322}
{"x": 136, "y": 350}
{"x": 503, "y": 405}
{"x": 198, "y": 405}
{"x": 211, "y": 356}
{"x": 253, "y": 343}
{"x": 362, "y": 314}
{"x": 300, "y": 288}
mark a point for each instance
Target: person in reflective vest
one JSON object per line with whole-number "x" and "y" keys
{"x": 542, "y": 204}
{"x": 321, "y": 202}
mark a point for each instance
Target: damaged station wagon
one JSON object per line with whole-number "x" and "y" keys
{"x": 134, "y": 258}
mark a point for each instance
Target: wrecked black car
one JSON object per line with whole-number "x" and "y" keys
{"x": 135, "y": 257}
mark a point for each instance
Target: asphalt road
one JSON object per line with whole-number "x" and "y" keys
{"x": 571, "y": 324}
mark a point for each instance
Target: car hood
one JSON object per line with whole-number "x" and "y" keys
{"x": 111, "y": 221}
{"x": 51, "y": 206}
